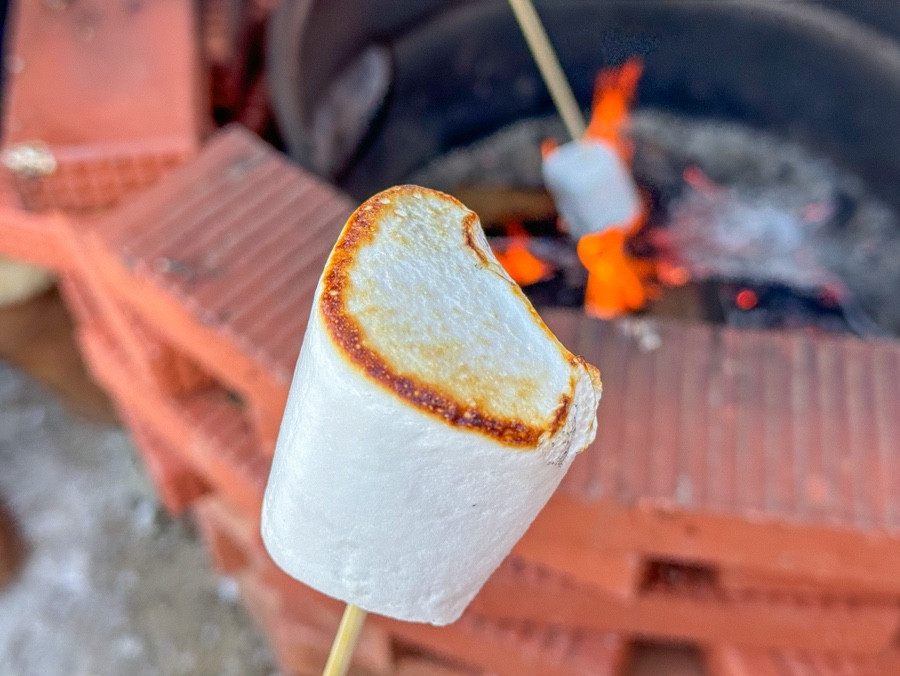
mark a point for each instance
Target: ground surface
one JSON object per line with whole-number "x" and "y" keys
{"x": 111, "y": 584}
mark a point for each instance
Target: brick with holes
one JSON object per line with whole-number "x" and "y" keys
{"x": 687, "y": 606}
{"x": 772, "y": 452}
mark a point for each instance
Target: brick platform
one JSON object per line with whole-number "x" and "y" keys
{"x": 689, "y": 609}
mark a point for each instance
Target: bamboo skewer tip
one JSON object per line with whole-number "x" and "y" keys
{"x": 345, "y": 641}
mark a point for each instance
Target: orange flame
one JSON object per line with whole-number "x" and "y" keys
{"x": 617, "y": 282}
{"x": 548, "y": 146}
{"x": 613, "y": 96}
{"x": 523, "y": 266}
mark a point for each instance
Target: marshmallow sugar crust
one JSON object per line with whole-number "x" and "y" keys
{"x": 431, "y": 415}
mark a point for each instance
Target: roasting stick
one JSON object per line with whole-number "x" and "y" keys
{"x": 548, "y": 64}
{"x": 345, "y": 641}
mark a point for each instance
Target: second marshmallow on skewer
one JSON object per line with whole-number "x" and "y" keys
{"x": 592, "y": 187}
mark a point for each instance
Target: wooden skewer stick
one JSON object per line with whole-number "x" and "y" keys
{"x": 345, "y": 641}
{"x": 548, "y": 64}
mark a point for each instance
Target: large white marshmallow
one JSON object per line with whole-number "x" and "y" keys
{"x": 592, "y": 187}
{"x": 430, "y": 418}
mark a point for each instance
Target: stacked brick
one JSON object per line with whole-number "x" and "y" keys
{"x": 743, "y": 492}
{"x": 757, "y": 472}
{"x": 102, "y": 98}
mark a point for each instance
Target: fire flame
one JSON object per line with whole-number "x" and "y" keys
{"x": 523, "y": 266}
{"x": 617, "y": 282}
{"x": 613, "y": 96}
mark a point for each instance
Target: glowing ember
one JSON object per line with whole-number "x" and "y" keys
{"x": 746, "y": 299}
{"x": 548, "y": 146}
{"x": 697, "y": 179}
{"x": 671, "y": 274}
{"x": 518, "y": 261}
{"x": 831, "y": 296}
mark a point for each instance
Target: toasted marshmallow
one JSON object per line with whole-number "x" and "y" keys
{"x": 431, "y": 415}
{"x": 592, "y": 187}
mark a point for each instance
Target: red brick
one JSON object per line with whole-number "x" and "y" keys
{"x": 266, "y": 423}
{"x": 159, "y": 366}
{"x": 112, "y": 90}
{"x": 150, "y": 359}
{"x": 223, "y": 257}
{"x": 79, "y": 300}
{"x": 512, "y": 649}
{"x": 420, "y": 666}
{"x": 690, "y": 610}
{"x": 227, "y": 550}
{"x": 208, "y": 427}
{"x": 177, "y": 483}
{"x": 766, "y": 451}
{"x": 732, "y": 661}
{"x": 304, "y": 651}
{"x": 216, "y": 514}
{"x": 743, "y": 581}
{"x": 615, "y": 572}
{"x": 32, "y": 238}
